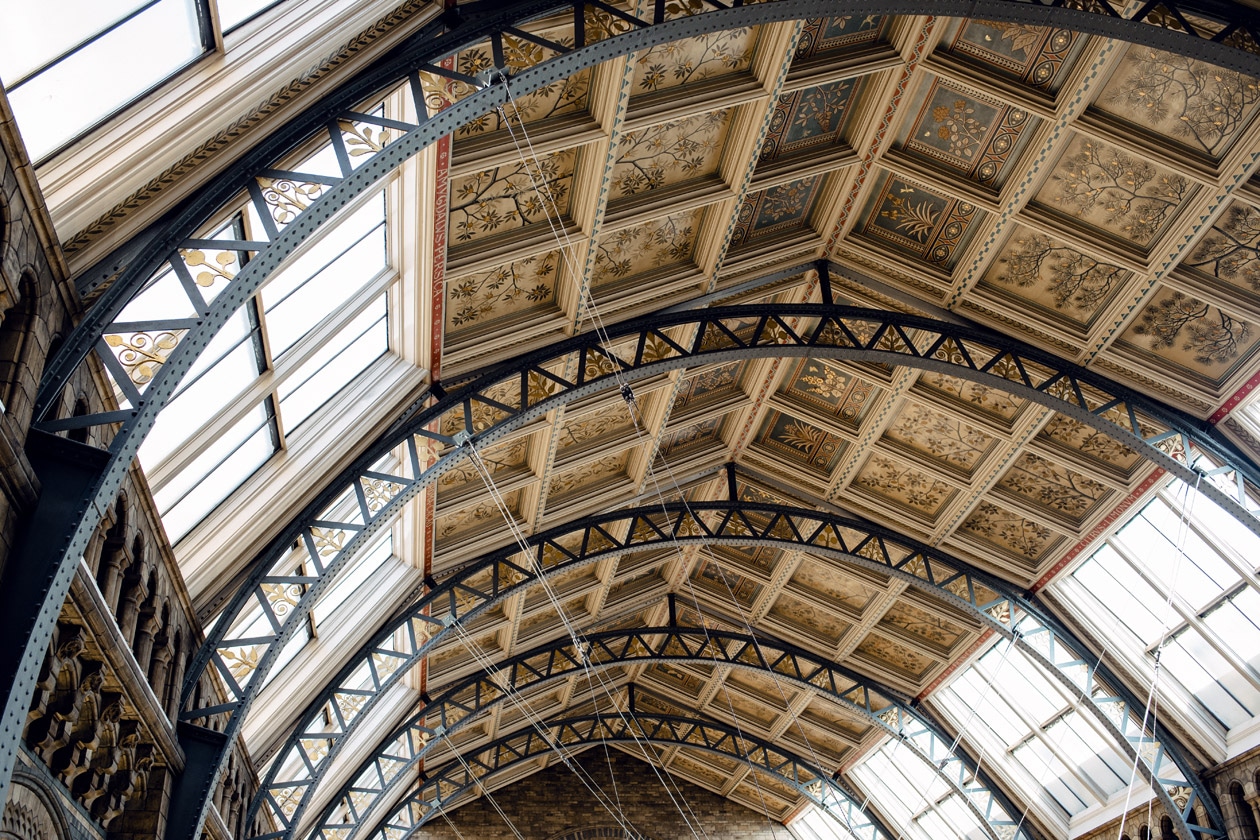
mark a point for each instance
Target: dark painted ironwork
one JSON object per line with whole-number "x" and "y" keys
{"x": 456, "y": 778}
{"x": 366, "y": 497}
{"x": 1221, "y": 32}
{"x": 399, "y": 753}
{"x": 480, "y": 585}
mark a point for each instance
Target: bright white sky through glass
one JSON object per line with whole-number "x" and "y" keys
{"x": 94, "y": 81}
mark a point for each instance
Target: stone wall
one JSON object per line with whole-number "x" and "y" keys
{"x": 554, "y": 805}
{"x": 100, "y": 733}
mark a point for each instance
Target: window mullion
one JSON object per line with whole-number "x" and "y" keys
{"x": 1184, "y": 609}
{"x": 48, "y": 65}
{"x": 1040, "y": 734}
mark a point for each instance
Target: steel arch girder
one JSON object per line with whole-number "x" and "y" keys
{"x": 508, "y": 396}
{"x": 634, "y": 727}
{"x": 482, "y": 584}
{"x": 1236, "y": 22}
{"x": 407, "y": 745}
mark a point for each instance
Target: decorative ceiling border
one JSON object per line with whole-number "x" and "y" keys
{"x": 228, "y": 137}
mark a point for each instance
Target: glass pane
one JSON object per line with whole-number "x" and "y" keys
{"x": 1225, "y": 692}
{"x": 1235, "y": 620}
{"x": 1224, "y": 528}
{"x": 36, "y": 33}
{"x": 325, "y": 277}
{"x": 1055, "y": 777}
{"x": 232, "y": 13}
{"x": 1126, "y": 597}
{"x": 337, "y": 363}
{"x": 233, "y": 457}
{"x": 72, "y": 95}
{"x": 224, "y": 371}
{"x": 364, "y": 567}
{"x": 1088, "y": 752}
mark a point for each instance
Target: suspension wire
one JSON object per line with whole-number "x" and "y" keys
{"x": 558, "y": 231}
{"x": 485, "y": 792}
{"x": 743, "y": 618}
{"x": 559, "y": 747}
{"x": 1151, "y": 711}
{"x": 459, "y": 835}
{"x": 730, "y": 705}
{"x": 1058, "y": 742}
{"x": 580, "y": 644}
{"x": 924, "y": 799}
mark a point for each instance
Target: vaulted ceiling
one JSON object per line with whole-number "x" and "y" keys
{"x": 1090, "y": 198}
{"x": 1086, "y": 196}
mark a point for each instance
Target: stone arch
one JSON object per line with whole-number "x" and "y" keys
{"x": 1243, "y": 818}
{"x": 80, "y": 409}
{"x": 18, "y": 379}
{"x": 32, "y": 812}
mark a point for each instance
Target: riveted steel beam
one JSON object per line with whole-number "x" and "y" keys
{"x": 329, "y": 532}
{"x": 456, "y": 778}
{"x": 479, "y": 586}
{"x": 390, "y": 765}
{"x": 1224, "y": 33}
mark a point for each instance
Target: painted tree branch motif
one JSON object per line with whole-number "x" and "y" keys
{"x": 889, "y": 478}
{"x": 1076, "y": 280}
{"x": 823, "y": 106}
{"x": 476, "y": 297}
{"x": 669, "y": 152}
{"x": 1041, "y": 480}
{"x": 958, "y": 126}
{"x": 1201, "y": 103}
{"x": 1024, "y": 38}
{"x": 558, "y": 97}
{"x": 1088, "y": 440}
{"x": 655, "y": 243}
{"x": 505, "y": 197}
{"x": 1212, "y": 335}
{"x": 1129, "y": 194}
{"x": 1002, "y": 528}
{"x": 941, "y": 436}
{"x": 1231, "y": 249}
{"x": 993, "y": 401}
{"x": 694, "y": 59}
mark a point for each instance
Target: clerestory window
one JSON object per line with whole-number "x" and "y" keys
{"x": 70, "y": 64}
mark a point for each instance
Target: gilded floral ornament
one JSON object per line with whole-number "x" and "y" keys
{"x": 283, "y": 597}
{"x": 141, "y": 353}
{"x": 288, "y": 199}
{"x": 215, "y": 269}
{"x": 363, "y": 140}
{"x": 379, "y": 493}
{"x": 241, "y": 662}
{"x": 328, "y": 541}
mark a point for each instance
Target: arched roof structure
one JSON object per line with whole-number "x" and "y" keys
{"x": 979, "y": 282}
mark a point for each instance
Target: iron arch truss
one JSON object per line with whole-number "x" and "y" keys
{"x": 1224, "y": 33}
{"x": 390, "y": 765}
{"x": 479, "y": 586}
{"x": 456, "y": 778}
{"x": 346, "y": 515}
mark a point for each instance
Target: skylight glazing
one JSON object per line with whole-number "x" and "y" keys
{"x": 1181, "y": 572}
{"x": 310, "y": 332}
{"x": 1028, "y": 724}
{"x": 918, "y": 800}
{"x": 54, "y": 58}
{"x": 816, "y": 824}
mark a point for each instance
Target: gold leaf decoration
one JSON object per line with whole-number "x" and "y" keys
{"x": 142, "y": 353}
